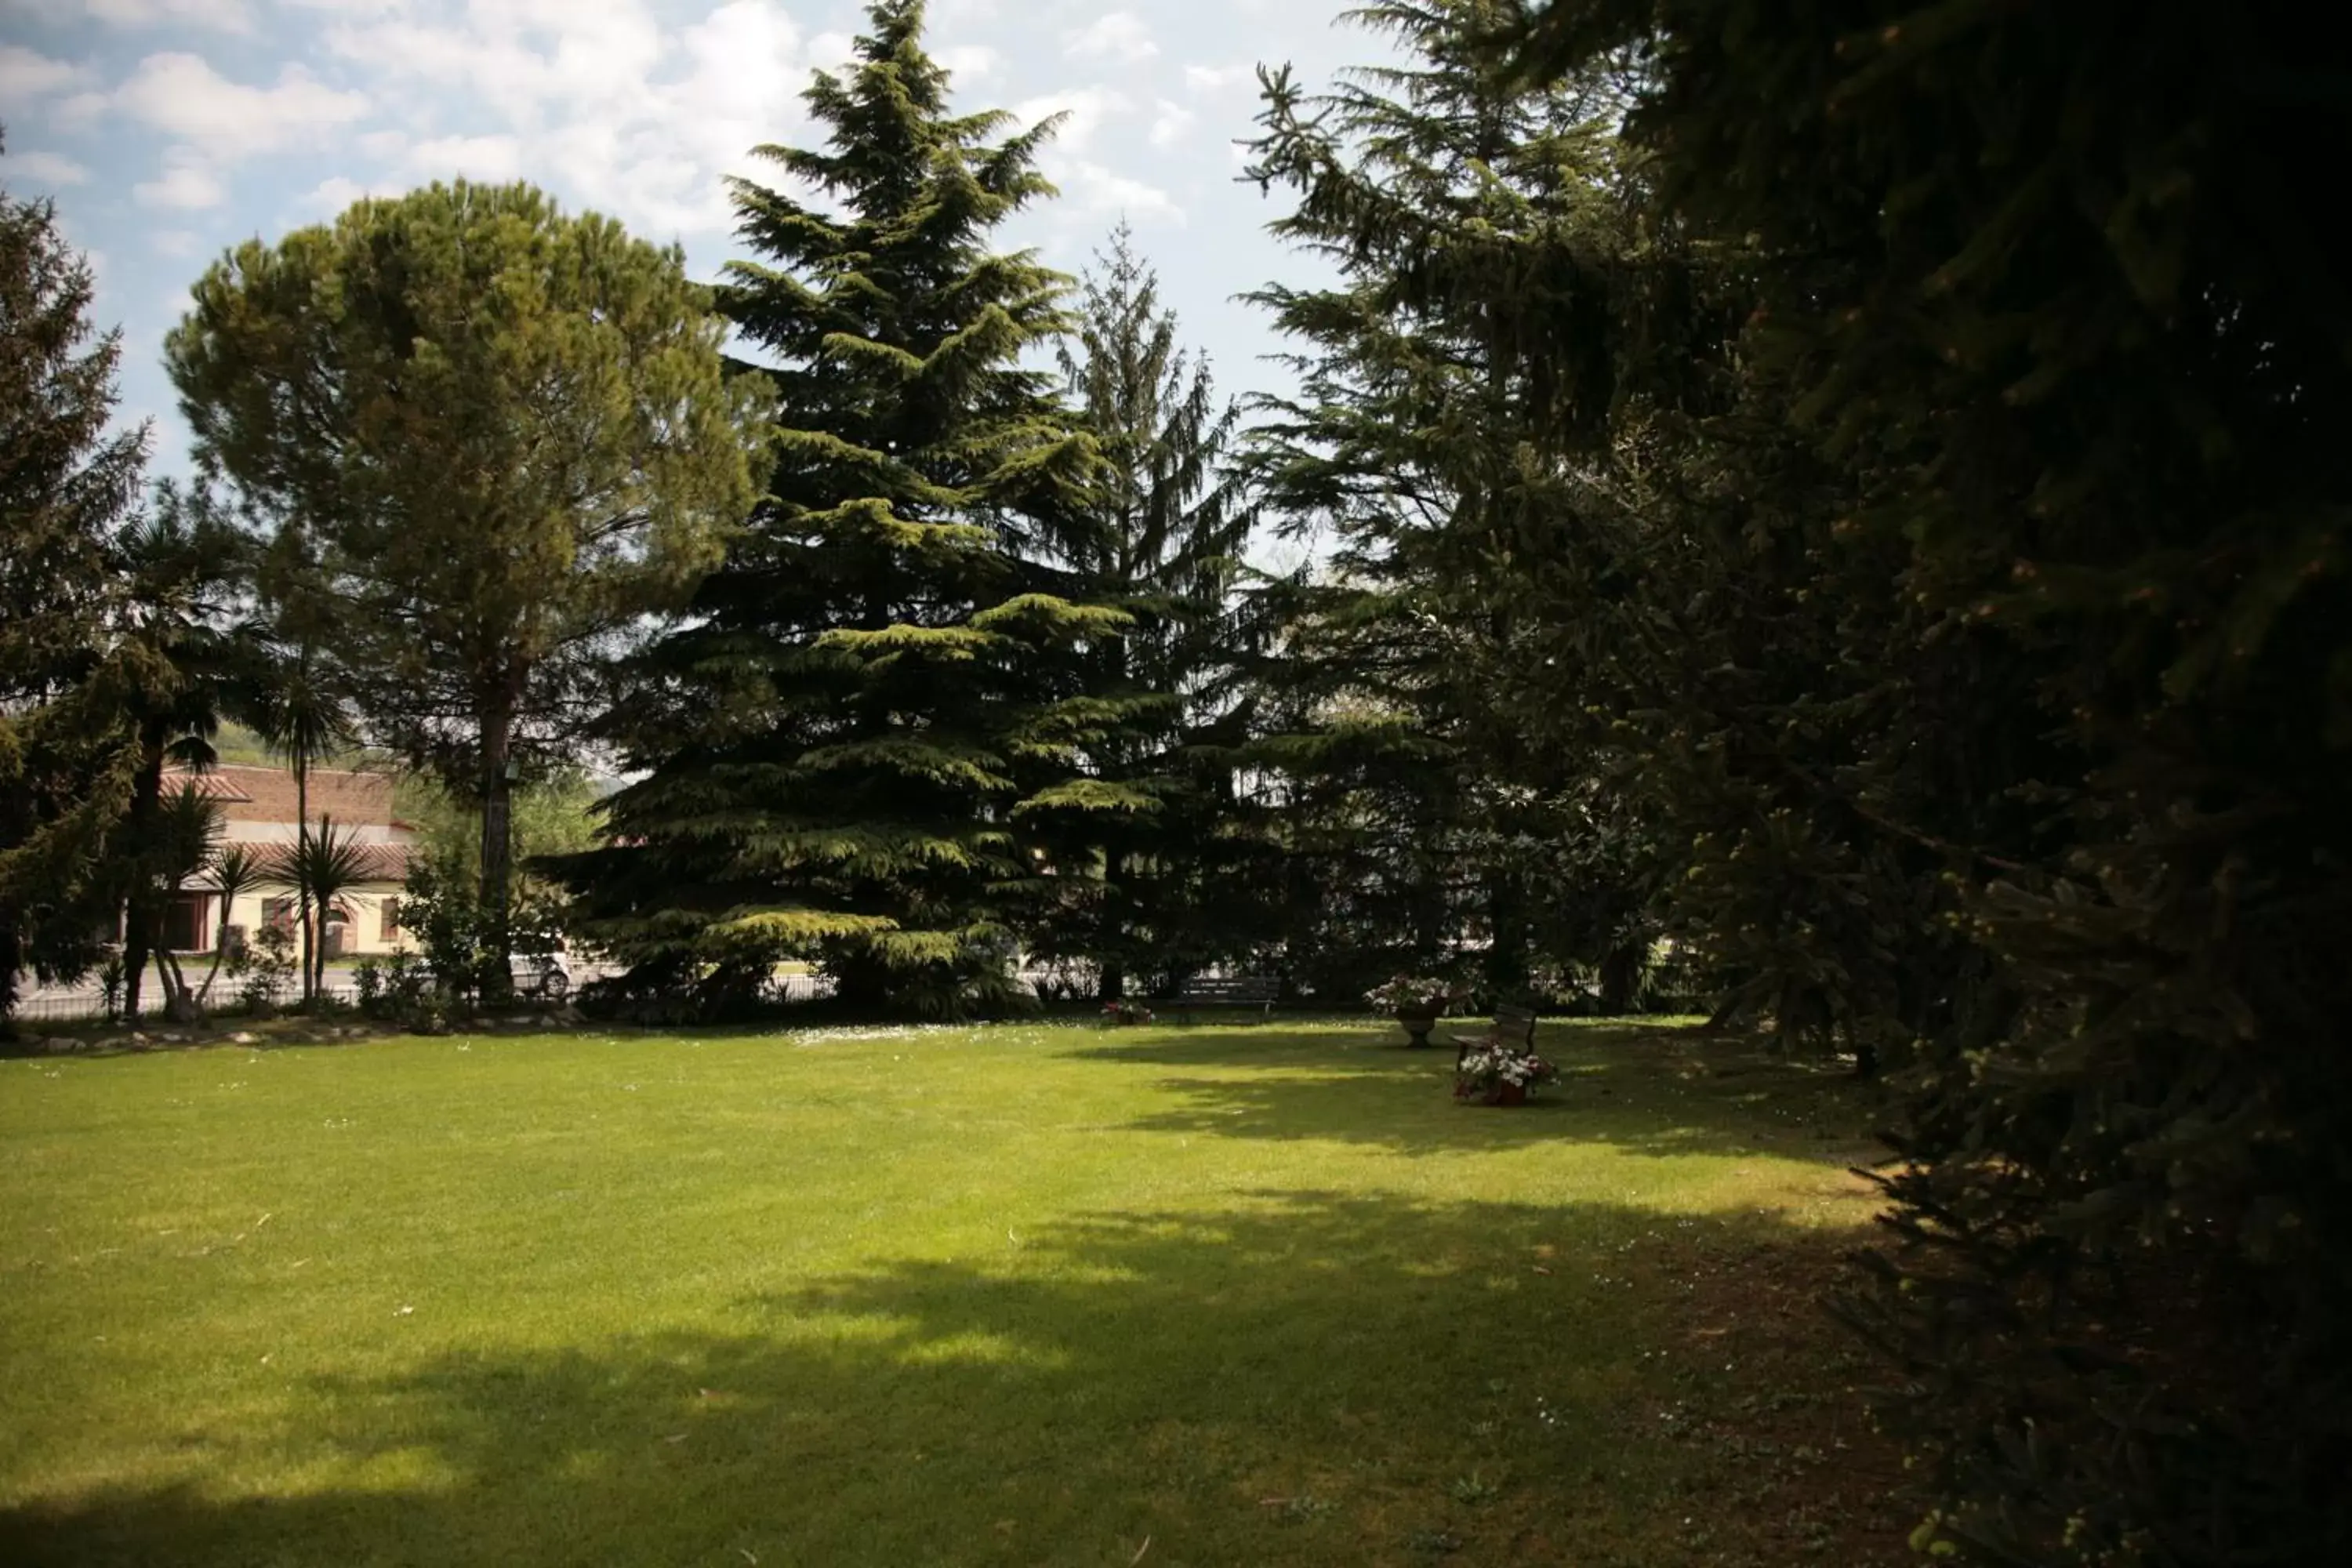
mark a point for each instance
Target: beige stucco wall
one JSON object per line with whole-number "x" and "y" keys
{"x": 364, "y": 935}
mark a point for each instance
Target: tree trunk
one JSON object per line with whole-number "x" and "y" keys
{"x": 11, "y": 953}
{"x": 1865, "y": 1055}
{"x": 1427, "y": 914}
{"x": 303, "y": 928}
{"x": 220, "y": 950}
{"x": 134, "y": 955}
{"x": 1113, "y": 984}
{"x": 497, "y": 848}
{"x": 178, "y": 1006}
{"x": 1621, "y": 978}
{"x": 140, "y": 916}
{"x": 1506, "y": 954}
{"x": 861, "y": 984}
{"x": 315, "y": 962}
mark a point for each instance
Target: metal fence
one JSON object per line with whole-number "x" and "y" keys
{"x": 85, "y": 1001}
{"x": 81, "y": 1004}
{"x": 802, "y": 987}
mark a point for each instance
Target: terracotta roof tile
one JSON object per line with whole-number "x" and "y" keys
{"x": 267, "y": 795}
{"x": 384, "y": 862}
{"x": 211, "y": 786}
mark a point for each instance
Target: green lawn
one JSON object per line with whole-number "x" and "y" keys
{"x": 1224, "y": 1295}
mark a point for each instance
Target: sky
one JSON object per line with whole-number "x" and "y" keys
{"x": 168, "y": 130}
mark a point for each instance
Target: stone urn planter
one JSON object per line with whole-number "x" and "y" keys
{"x": 1417, "y": 1025}
{"x": 1415, "y": 1001}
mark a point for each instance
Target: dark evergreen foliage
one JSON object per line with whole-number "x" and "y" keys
{"x": 1151, "y": 855}
{"x": 66, "y": 486}
{"x": 2035, "y": 287}
{"x": 883, "y": 672}
{"x": 1429, "y": 802}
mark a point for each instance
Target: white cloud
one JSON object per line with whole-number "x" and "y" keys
{"x": 350, "y": 7}
{"x": 1169, "y": 125}
{"x": 1115, "y": 35}
{"x": 25, "y": 74}
{"x": 333, "y": 194}
{"x": 1218, "y": 78}
{"x": 80, "y": 112}
{"x": 1092, "y": 191}
{"x": 490, "y": 159}
{"x": 177, "y": 242}
{"x": 968, "y": 62}
{"x": 1087, "y": 107}
{"x": 189, "y": 182}
{"x": 830, "y": 51}
{"x": 44, "y": 168}
{"x": 182, "y": 95}
{"x": 601, "y": 101}
{"x": 523, "y": 57}
{"x": 227, "y": 15}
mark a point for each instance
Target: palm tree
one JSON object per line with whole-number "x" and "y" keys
{"x": 187, "y": 835}
{"x": 302, "y": 717}
{"x": 326, "y": 864}
{"x": 183, "y": 567}
{"x": 238, "y": 871}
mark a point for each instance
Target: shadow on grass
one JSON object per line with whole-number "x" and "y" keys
{"x": 1662, "y": 1090}
{"x": 1304, "y": 1378}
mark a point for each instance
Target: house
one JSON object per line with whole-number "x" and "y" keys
{"x": 257, "y": 806}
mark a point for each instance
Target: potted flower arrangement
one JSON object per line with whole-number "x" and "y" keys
{"x": 1501, "y": 1073}
{"x": 1126, "y": 1012}
{"x": 1414, "y": 1001}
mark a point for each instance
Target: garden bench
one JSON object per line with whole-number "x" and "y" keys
{"x": 1513, "y": 1025}
{"x": 1229, "y": 990}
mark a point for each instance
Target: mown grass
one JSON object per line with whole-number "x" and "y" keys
{"x": 1215, "y": 1295}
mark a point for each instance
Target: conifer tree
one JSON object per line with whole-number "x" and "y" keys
{"x": 1138, "y": 850}
{"x": 66, "y": 486}
{"x": 1442, "y": 189}
{"x": 879, "y": 675}
{"x": 2077, "y": 341}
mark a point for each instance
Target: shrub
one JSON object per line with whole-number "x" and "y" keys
{"x": 110, "y": 980}
{"x": 268, "y": 966}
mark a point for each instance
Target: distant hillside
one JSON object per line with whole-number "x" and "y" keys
{"x": 239, "y": 747}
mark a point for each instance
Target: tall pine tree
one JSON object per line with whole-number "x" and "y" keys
{"x": 1139, "y": 846}
{"x": 2074, "y": 335}
{"x": 1416, "y": 444}
{"x": 838, "y": 740}
{"x": 66, "y": 485}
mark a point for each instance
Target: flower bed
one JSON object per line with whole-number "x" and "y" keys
{"x": 1501, "y": 1074}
